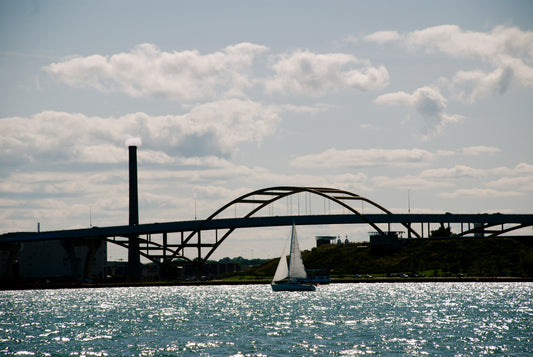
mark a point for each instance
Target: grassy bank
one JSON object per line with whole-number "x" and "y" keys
{"x": 465, "y": 257}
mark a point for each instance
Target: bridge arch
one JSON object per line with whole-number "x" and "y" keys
{"x": 267, "y": 196}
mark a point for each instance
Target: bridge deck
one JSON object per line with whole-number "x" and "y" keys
{"x": 267, "y": 221}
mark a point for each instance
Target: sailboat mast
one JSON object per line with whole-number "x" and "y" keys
{"x": 290, "y": 251}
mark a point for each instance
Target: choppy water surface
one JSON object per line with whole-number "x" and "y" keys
{"x": 452, "y": 319}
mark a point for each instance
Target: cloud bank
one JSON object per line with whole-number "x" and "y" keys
{"x": 307, "y": 73}
{"x": 333, "y": 158}
{"x": 215, "y": 128}
{"x": 190, "y": 76}
{"x": 148, "y": 71}
{"x": 363, "y": 158}
{"x": 506, "y": 51}
{"x": 426, "y": 101}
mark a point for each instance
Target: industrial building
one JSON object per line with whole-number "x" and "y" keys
{"x": 54, "y": 259}
{"x": 322, "y": 240}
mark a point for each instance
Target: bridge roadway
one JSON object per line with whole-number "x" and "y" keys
{"x": 488, "y": 220}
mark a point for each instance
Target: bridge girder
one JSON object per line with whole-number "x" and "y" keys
{"x": 145, "y": 246}
{"x": 256, "y": 201}
{"x": 273, "y": 194}
{"x": 483, "y": 229}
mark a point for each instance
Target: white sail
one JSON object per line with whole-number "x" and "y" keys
{"x": 296, "y": 264}
{"x": 282, "y": 271}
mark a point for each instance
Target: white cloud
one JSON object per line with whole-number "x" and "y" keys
{"x": 520, "y": 183}
{"x": 204, "y": 161}
{"x": 301, "y": 109}
{"x": 394, "y": 157}
{"x": 357, "y": 183}
{"x": 383, "y": 36}
{"x": 456, "y": 42}
{"x": 55, "y": 136}
{"x": 508, "y": 50}
{"x": 208, "y": 129}
{"x": 478, "y": 150}
{"x": 308, "y": 73}
{"x": 518, "y": 170}
{"x": 458, "y": 171}
{"x": 518, "y": 178}
{"x": 148, "y": 71}
{"x": 478, "y": 192}
{"x": 5, "y": 202}
{"x": 470, "y": 86}
{"x": 428, "y": 102}
{"x": 407, "y": 182}
{"x": 524, "y": 168}
{"x": 213, "y": 192}
{"x": 364, "y": 158}
{"x": 188, "y": 75}
{"x": 514, "y": 179}
{"x": 221, "y": 126}
{"x": 54, "y": 182}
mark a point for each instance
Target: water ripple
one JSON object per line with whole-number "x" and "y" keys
{"x": 454, "y": 319}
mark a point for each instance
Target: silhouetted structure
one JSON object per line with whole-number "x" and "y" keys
{"x": 324, "y": 240}
{"x": 134, "y": 256}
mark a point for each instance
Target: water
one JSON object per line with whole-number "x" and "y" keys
{"x": 450, "y": 319}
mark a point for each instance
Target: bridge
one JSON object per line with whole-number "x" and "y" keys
{"x": 167, "y": 241}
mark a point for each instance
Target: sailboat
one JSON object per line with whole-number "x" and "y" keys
{"x": 294, "y": 272}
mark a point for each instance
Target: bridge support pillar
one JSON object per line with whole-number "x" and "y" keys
{"x": 165, "y": 244}
{"x": 92, "y": 247}
{"x": 200, "y": 246}
{"x": 134, "y": 258}
{"x": 12, "y": 269}
{"x": 69, "y": 246}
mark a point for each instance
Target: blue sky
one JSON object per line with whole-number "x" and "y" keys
{"x": 430, "y": 100}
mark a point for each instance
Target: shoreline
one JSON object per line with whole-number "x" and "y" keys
{"x": 73, "y": 285}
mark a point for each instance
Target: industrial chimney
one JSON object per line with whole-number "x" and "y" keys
{"x": 134, "y": 256}
{"x": 134, "y": 196}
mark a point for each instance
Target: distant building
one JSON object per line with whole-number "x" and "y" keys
{"x": 120, "y": 269}
{"x": 321, "y": 240}
{"x": 386, "y": 241}
{"x": 219, "y": 269}
{"x": 85, "y": 259}
{"x": 117, "y": 269}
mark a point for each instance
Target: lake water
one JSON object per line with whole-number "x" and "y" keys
{"x": 450, "y": 319}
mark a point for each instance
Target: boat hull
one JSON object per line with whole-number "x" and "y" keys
{"x": 293, "y": 287}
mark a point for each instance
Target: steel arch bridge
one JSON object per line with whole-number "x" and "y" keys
{"x": 257, "y": 201}
{"x": 260, "y": 199}
{"x": 158, "y": 241}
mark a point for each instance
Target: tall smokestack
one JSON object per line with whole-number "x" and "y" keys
{"x": 134, "y": 196}
{"x": 134, "y": 255}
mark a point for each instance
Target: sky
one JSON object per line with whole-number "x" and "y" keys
{"x": 417, "y": 105}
